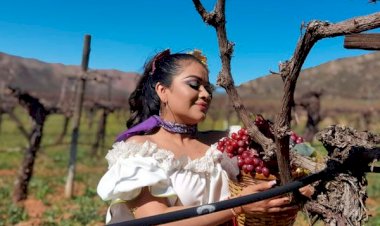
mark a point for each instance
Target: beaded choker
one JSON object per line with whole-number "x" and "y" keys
{"x": 152, "y": 123}
{"x": 178, "y": 128}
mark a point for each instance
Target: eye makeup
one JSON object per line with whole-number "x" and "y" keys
{"x": 195, "y": 84}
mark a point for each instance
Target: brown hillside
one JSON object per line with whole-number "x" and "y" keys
{"x": 348, "y": 83}
{"x": 46, "y": 81}
{"x": 345, "y": 82}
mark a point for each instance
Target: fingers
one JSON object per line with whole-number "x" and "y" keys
{"x": 281, "y": 209}
{"x": 271, "y": 206}
{"x": 278, "y": 202}
{"x": 307, "y": 191}
{"x": 257, "y": 188}
{"x": 264, "y": 186}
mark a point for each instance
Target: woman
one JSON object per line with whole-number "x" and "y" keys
{"x": 162, "y": 163}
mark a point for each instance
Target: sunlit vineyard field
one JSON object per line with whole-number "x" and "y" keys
{"x": 46, "y": 204}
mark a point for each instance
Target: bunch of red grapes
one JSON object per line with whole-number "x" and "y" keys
{"x": 247, "y": 151}
{"x": 295, "y": 139}
{"x": 248, "y": 158}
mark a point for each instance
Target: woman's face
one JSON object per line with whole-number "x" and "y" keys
{"x": 189, "y": 95}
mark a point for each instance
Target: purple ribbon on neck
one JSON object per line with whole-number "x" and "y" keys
{"x": 148, "y": 125}
{"x": 153, "y": 122}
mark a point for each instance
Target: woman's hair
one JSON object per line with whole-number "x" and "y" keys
{"x": 144, "y": 101}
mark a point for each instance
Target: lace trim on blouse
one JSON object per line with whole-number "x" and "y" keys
{"x": 165, "y": 158}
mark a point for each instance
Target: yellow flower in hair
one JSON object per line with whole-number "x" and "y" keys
{"x": 198, "y": 54}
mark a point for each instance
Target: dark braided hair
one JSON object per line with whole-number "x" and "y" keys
{"x": 144, "y": 101}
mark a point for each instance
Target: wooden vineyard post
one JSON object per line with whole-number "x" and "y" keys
{"x": 106, "y": 110}
{"x": 362, "y": 41}
{"x": 81, "y": 85}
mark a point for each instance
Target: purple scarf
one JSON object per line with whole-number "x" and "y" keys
{"x": 152, "y": 123}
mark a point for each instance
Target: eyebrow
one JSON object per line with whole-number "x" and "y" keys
{"x": 198, "y": 78}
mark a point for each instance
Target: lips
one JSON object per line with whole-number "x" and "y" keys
{"x": 203, "y": 106}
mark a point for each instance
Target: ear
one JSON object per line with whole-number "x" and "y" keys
{"x": 161, "y": 91}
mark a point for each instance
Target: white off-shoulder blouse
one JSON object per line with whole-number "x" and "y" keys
{"x": 132, "y": 166}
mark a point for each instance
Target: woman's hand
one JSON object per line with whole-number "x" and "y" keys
{"x": 307, "y": 191}
{"x": 276, "y": 204}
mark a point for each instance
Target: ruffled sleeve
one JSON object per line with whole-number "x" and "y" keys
{"x": 133, "y": 166}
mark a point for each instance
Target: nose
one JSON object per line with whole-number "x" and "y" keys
{"x": 205, "y": 94}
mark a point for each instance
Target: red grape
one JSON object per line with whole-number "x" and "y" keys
{"x": 249, "y": 168}
{"x": 245, "y": 154}
{"x": 248, "y": 160}
{"x": 229, "y": 149}
{"x": 235, "y": 144}
{"x": 258, "y": 169}
{"x": 240, "y": 150}
{"x": 265, "y": 171}
{"x": 299, "y": 140}
{"x": 256, "y": 161}
{"x": 240, "y": 162}
{"x": 241, "y": 143}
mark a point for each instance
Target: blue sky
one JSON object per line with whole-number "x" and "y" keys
{"x": 125, "y": 33}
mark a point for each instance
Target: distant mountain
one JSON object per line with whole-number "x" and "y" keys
{"x": 348, "y": 79}
{"x": 344, "y": 82}
{"x": 52, "y": 83}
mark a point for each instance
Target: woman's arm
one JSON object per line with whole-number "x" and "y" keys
{"x": 147, "y": 205}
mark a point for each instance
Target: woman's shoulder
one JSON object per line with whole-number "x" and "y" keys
{"x": 138, "y": 139}
{"x": 136, "y": 146}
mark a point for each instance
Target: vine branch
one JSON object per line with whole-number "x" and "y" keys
{"x": 216, "y": 18}
{"x": 290, "y": 70}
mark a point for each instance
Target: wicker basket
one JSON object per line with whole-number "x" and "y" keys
{"x": 286, "y": 218}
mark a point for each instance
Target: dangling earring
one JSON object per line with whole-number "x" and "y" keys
{"x": 164, "y": 106}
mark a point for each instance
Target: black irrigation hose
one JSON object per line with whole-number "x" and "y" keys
{"x": 222, "y": 205}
